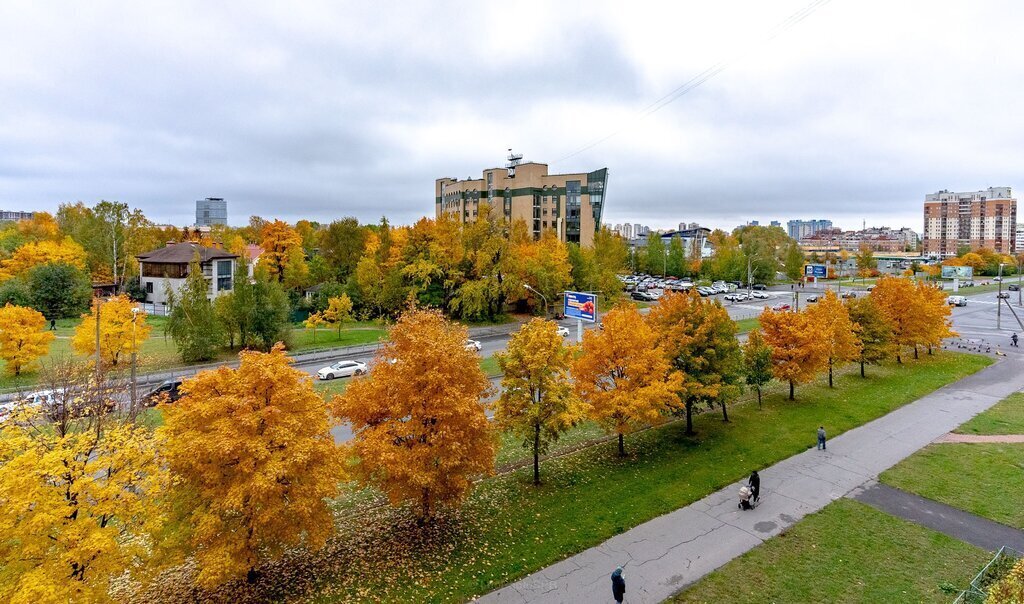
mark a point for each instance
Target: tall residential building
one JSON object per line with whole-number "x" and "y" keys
{"x": 798, "y": 229}
{"x": 979, "y": 219}
{"x": 16, "y": 215}
{"x": 568, "y": 205}
{"x": 211, "y": 211}
{"x": 1019, "y": 242}
{"x": 627, "y": 231}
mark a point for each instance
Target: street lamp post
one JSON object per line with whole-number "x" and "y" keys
{"x": 999, "y": 297}
{"x": 542, "y": 297}
{"x": 134, "y": 408}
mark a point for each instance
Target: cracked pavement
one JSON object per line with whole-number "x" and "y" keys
{"x": 664, "y": 555}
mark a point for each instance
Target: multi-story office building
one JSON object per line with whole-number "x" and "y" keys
{"x": 16, "y": 215}
{"x": 211, "y": 211}
{"x": 979, "y": 219}
{"x": 798, "y": 229}
{"x": 568, "y": 205}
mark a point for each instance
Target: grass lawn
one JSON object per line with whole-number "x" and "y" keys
{"x": 848, "y": 552}
{"x": 982, "y": 478}
{"x": 508, "y": 528}
{"x": 983, "y": 289}
{"x": 745, "y": 325}
{"x": 1006, "y": 417}
{"x": 353, "y": 334}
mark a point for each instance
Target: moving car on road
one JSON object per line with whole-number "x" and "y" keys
{"x": 473, "y": 345}
{"x": 342, "y": 369}
{"x": 1003, "y": 295}
{"x": 956, "y": 301}
{"x": 563, "y": 331}
{"x": 1013, "y": 287}
{"x": 759, "y": 286}
{"x": 167, "y": 391}
{"x": 759, "y": 295}
{"x": 782, "y": 306}
{"x": 849, "y": 294}
{"x": 812, "y": 298}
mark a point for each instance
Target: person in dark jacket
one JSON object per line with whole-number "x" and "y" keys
{"x": 618, "y": 585}
{"x": 755, "y": 485}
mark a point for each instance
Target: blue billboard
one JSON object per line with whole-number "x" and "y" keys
{"x": 818, "y": 271}
{"x": 581, "y": 306}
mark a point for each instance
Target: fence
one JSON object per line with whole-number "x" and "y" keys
{"x": 995, "y": 570}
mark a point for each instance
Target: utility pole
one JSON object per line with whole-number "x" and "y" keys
{"x": 999, "y": 299}
{"x": 135, "y": 399}
{"x": 99, "y": 375}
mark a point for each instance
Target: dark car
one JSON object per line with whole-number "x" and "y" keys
{"x": 166, "y": 392}
{"x": 812, "y": 298}
{"x": 760, "y": 286}
{"x": 849, "y": 294}
{"x": 1003, "y": 295}
{"x": 1013, "y": 287}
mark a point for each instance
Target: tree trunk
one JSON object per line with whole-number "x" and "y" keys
{"x": 862, "y": 369}
{"x": 622, "y": 448}
{"x": 689, "y": 418}
{"x": 929, "y": 349}
{"x": 830, "y": 373}
{"x": 915, "y": 352}
{"x": 424, "y": 507}
{"x": 536, "y": 454}
{"x": 759, "y": 396}
{"x": 791, "y": 387}
{"x": 725, "y": 412}
{"x": 899, "y": 359}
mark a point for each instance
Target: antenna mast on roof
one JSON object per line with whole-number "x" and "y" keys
{"x": 513, "y": 161}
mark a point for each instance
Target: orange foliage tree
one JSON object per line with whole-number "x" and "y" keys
{"x": 699, "y": 339}
{"x": 22, "y": 339}
{"x": 278, "y": 241}
{"x": 34, "y": 253}
{"x": 537, "y": 401}
{"x": 798, "y": 348}
{"x": 121, "y": 331}
{"x": 252, "y": 459}
{"x": 625, "y": 379}
{"x": 936, "y": 316}
{"x": 906, "y": 310}
{"x": 418, "y": 423}
{"x": 831, "y": 317}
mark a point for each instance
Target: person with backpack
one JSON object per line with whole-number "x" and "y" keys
{"x": 618, "y": 585}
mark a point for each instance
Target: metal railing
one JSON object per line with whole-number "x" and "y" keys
{"x": 995, "y": 570}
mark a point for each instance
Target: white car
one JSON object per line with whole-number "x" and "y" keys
{"x": 342, "y": 369}
{"x": 473, "y": 345}
{"x": 956, "y": 301}
{"x": 563, "y": 331}
{"x": 760, "y": 295}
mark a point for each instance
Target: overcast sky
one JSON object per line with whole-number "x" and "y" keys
{"x": 320, "y": 110}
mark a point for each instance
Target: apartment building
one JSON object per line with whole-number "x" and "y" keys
{"x": 979, "y": 219}
{"x": 211, "y": 211}
{"x": 877, "y": 239}
{"x": 569, "y": 205}
{"x": 798, "y": 229}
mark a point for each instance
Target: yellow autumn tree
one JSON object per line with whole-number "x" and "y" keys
{"x": 904, "y": 309}
{"x": 314, "y": 321}
{"x": 936, "y": 323}
{"x": 278, "y": 241}
{"x": 623, "y": 377}
{"x": 121, "y": 331}
{"x": 839, "y": 333}
{"x": 22, "y": 337}
{"x": 75, "y": 508}
{"x": 252, "y": 460}
{"x": 537, "y": 401}
{"x": 338, "y": 311}
{"x": 42, "y": 225}
{"x": 798, "y": 347}
{"x": 418, "y": 423}
{"x": 35, "y": 253}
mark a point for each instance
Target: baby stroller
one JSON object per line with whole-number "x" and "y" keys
{"x": 745, "y": 501}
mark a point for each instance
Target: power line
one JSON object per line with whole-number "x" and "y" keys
{"x": 694, "y": 82}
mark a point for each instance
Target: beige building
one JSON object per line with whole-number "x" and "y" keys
{"x": 568, "y": 205}
{"x": 979, "y": 219}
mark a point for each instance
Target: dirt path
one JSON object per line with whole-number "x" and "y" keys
{"x": 953, "y": 437}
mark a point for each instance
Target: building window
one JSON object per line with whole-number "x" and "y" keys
{"x": 572, "y": 211}
{"x": 223, "y": 275}
{"x": 149, "y": 287}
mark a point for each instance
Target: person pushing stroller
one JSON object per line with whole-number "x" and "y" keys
{"x": 750, "y": 492}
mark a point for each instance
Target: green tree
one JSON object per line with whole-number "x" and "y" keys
{"x": 757, "y": 362}
{"x": 192, "y": 323}
{"x": 866, "y": 261}
{"x": 794, "y": 260}
{"x": 676, "y": 257}
{"x": 341, "y": 246}
{"x": 17, "y": 292}
{"x": 59, "y": 290}
{"x": 655, "y": 254}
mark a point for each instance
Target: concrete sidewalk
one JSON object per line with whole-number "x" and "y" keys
{"x": 667, "y": 553}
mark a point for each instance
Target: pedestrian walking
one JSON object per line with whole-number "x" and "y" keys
{"x": 618, "y": 585}
{"x": 821, "y": 438}
{"x": 1013, "y": 339}
{"x": 53, "y": 325}
{"x": 755, "y": 485}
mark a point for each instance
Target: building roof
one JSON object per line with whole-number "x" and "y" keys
{"x": 183, "y": 253}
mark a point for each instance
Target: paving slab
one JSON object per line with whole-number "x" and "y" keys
{"x": 664, "y": 555}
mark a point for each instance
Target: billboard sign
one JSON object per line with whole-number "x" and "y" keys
{"x": 818, "y": 271}
{"x": 581, "y": 306}
{"x": 957, "y": 272}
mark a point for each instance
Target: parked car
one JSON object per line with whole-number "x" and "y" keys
{"x": 166, "y": 392}
{"x": 782, "y": 306}
{"x": 342, "y": 369}
{"x": 643, "y": 296}
{"x": 1013, "y": 287}
{"x": 849, "y": 294}
{"x": 736, "y": 297}
{"x": 956, "y": 301}
{"x": 473, "y": 345}
{"x": 812, "y": 298}
{"x": 759, "y": 295}
{"x": 759, "y": 286}
{"x": 563, "y": 331}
